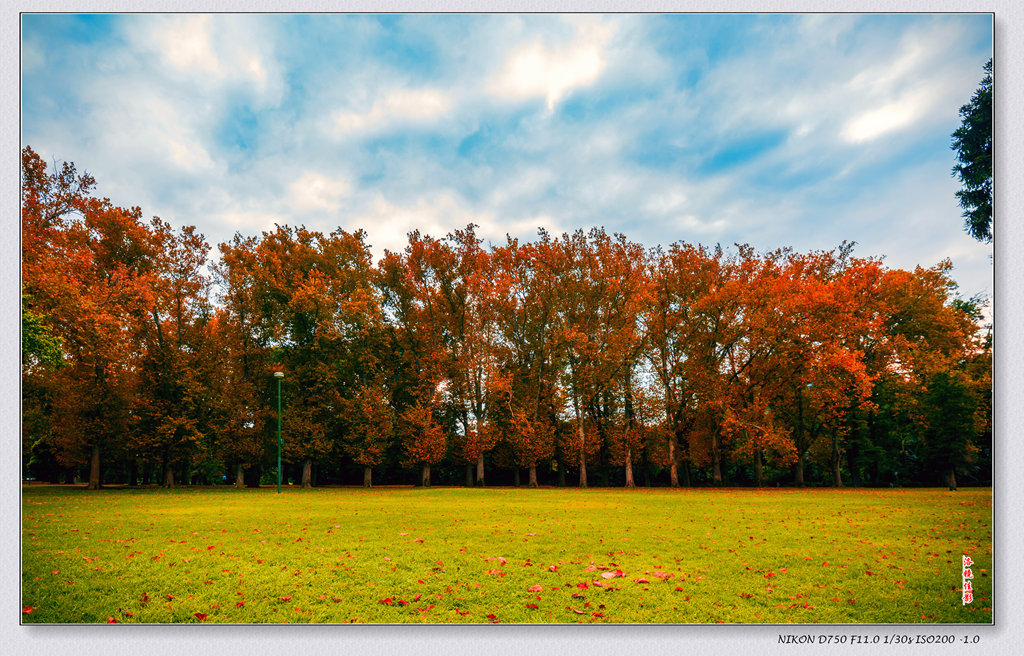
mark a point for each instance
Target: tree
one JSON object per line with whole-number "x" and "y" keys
{"x": 369, "y": 427}
{"x": 524, "y": 315}
{"x": 87, "y": 266}
{"x": 949, "y": 417}
{"x": 973, "y": 145}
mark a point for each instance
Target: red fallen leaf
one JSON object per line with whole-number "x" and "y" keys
{"x": 870, "y": 573}
{"x": 419, "y": 580}
{"x": 145, "y": 598}
{"x": 169, "y": 597}
{"x": 611, "y": 575}
{"x": 783, "y": 569}
{"x": 553, "y": 568}
{"x": 111, "y": 620}
{"x": 417, "y": 597}
{"x": 492, "y": 616}
{"x": 578, "y": 612}
{"x": 387, "y": 601}
{"x": 853, "y": 601}
{"x": 577, "y": 595}
{"x": 745, "y": 595}
{"x": 28, "y": 609}
{"x": 210, "y": 547}
{"x": 286, "y": 598}
{"x": 535, "y": 588}
{"x": 207, "y": 582}
{"x": 532, "y": 606}
{"x": 403, "y": 602}
{"x": 678, "y": 589}
{"x": 590, "y": 569}
{"x": 239, "y": 604}
{"x": 200, "y": 616}
{"x": 582, "y": 586}
{"x": 641, "y": 580}
{"x": 597, "y": 614}
{"x": 769, "y": 575}
{"x": 824, "y": 564}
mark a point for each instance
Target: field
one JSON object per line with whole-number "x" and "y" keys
{"x": 444, "y": 555}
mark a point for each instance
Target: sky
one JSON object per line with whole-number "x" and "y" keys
{"x": 799, "y": 130}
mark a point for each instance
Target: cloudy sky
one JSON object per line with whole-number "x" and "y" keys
{"x": 773, "y": 130}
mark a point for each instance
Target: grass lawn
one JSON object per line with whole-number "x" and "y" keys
{"x": 441, "y": 555}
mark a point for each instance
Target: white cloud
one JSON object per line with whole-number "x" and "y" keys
{"x": 185, "y": 43}
{"x": 536, "y": 70}
{"x": 398, "y": 106}
{"x": 877, "y": 122}
{"x": 212, "y": 51}
{"x": 315, "y": 191}
{"x": 387, "y": 224}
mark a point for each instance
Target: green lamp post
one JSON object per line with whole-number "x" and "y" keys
{"x": 279, "y": 375}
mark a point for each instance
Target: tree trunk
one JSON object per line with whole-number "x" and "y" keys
{"x": 94, "y": 469}
{"x": 561, "y": 477}
{"x": 168, "y": 476}
{"x": 307, "y": 473}
{"x": 837, "y": 463}
{"x": 367, "y": 477}
{"x": 673, "y": 467}
{"x": 533, "y": 475}
{"x": 630, "y": 483}
{"x": 758, "y": 469}
{"x": 716, "y": 460}
{"x": 480, "y": 471}
{"x": 239, "y": 476}
{"x": 800, "y": 470}
{"x": 469, "y": 475}
{"x": 515, "y": 477}
{"x": 951, "y": 480}
{"x": 583, "y": 456}
{"x": 425, "y": 480}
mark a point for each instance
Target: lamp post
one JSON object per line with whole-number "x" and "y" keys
{"x": 279, "y": 375}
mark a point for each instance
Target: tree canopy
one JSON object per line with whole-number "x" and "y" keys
{"x": 584, "y": 358}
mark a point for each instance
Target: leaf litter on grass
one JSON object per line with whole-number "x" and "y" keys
{"x": 680, "y": 556}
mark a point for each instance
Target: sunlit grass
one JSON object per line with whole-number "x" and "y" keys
{"x": 473, "y": 555}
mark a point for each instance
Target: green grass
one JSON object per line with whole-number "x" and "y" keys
{"x": 471, "y": 555}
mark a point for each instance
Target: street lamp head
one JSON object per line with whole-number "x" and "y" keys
{"x": 278, "y": 374}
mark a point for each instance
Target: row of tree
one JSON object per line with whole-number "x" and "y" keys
{"x": 562, "y": 356}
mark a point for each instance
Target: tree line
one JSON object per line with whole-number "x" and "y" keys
{"x": 584, "y": 358}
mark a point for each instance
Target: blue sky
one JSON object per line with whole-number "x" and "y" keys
{"x": 773, "y": 130}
